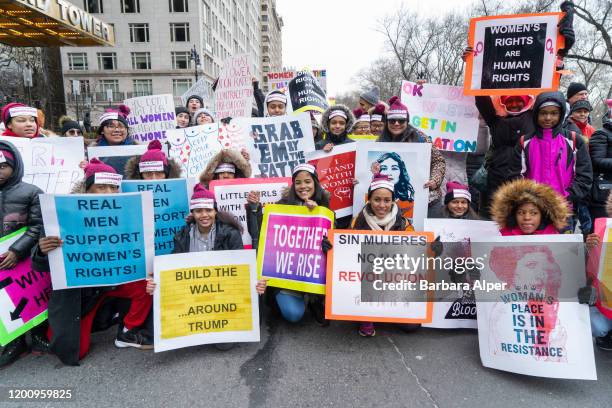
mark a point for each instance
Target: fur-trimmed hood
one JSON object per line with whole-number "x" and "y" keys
{"x": 79, "y": 187}
{"x": 132, "y": 171}
{"x": 510, "y": 195}
{"x": 350, "y": 122}
{"x": 243, "y": 167}
{"x": 609, "y": 206}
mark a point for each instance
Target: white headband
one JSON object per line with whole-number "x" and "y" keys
{"x": 108, "y": 116}
{"x": 304, "y": 167}
{"x": 550, "y": 103}
{"x": 382, "y": 183}
{"x": 201, "y": 203}
{"x": 225, "y": 168}
{"x": 150, "y": 166}
{"x": 23, "y": 111}
{"x": 397, "y": 114}
{"x": 337, "y": 112}
{"x": 458, "y": 193}
{"x": 110, "y": 179}
{"x": 2, "y": 158}
{"x": 276, "y": 97}
{"x": 364, "y": 118}
{"x": 376, "y": 118}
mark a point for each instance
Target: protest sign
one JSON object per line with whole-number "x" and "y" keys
{"x": 458, "y": 309}
{"x": 24, "y": 294}
{"x": 150, "y": 117}
{"x": 277, "y": 144}
{"x": 51, "y": 163}
{"x": 116, "y": 156}
{"x": 107, "y": 238}
{"x": 355, "y": 137}
{"x": 234, "y": 93}
{"x": 336, "y": 171}
{"x": 171, "y": 206}
{"x": 289, "y": 252}
{"x": 279, "y": 81}
{"x": 600, "y": 265}
{"x": 443, "y": 113}
{"x": 233, "y": 136}
{"x": 534, "y": 325}
{"x": 306, "y": 94}
{"x": 193, "y": 147}
{"x": 231, "y": 196}
{"x": 204, "y": 90}
{"x": 205, "y": 297}
{"x": 513, "y": 55}
{"x": 359, "y": 290}
{"x": 407, "y": 165}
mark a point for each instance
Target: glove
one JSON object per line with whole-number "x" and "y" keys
{"x": 325, "y": 244}
{"x": 587, "y": 295}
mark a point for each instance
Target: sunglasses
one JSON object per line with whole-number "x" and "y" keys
{"x": 398, "y": 121}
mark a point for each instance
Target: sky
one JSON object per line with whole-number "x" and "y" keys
{"x": 340, "y": 35}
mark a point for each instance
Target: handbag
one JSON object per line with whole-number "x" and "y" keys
{"x": 601, "y": 189}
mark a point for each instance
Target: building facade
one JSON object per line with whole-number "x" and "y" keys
{"x": 271, "y": 40}
{"x": 153, "y": 49}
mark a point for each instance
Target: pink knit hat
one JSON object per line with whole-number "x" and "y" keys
{"x": 381, "y": 181}
{"x": 397, "y": 110}
{"x": 361, "y": 115}
{"x": 97, "y": 172}
{"x": 153, "y": 159}
{"x": 456, "y": 190}
{"x": 378, "y": 112}
{"x": 201, "y": 198}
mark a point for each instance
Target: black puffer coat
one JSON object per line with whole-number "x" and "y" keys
{"x": 227, "y": 237}
{"x": 600, "y": 147}
{"x": 20, "y": 207}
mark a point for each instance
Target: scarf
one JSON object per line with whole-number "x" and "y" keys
{"x": 384, "y": 224}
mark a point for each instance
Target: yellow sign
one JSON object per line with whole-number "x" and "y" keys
{"x": 202, "y": 300}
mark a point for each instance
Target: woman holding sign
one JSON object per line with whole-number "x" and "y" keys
{"x": 381, "y": 213}
{"x": 20, "y": 120}
{"x": 152, "y": 165}
{"x": 305, "y": 190}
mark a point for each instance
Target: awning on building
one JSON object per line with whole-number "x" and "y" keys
{"x": 50, "y": 23}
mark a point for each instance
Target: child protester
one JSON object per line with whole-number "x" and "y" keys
{"x": 456, "y": 203}
{"x": 305, "y": 190}
{"x": 183, "y": 120}
{"x": 75, "y": 313}
{"x": 20, "y": 208}
{"x": 152, "y": 165}
{"x": 377, "y": 118}
{"x": 554, "y": 156}
{"x": 227, "y": 164}
{"x": 337, "y": 122}
{"x": 20, "y": 121}
{"x": 380, "y": 213}
{"x": 114, "y": 130}
{"x": 275, "y": 103}
{"x": 203, "y": 116}
{"x": 362, "y": 122}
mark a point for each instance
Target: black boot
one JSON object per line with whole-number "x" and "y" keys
{"x": 316, "y": 305}
{"x": 605, "y": 342}
{"x": 40, "y": 344}
{"x": 13, "y": 351}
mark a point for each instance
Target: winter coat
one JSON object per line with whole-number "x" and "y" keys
{"x": 259, "y": 100}
{"x": 243, "y": 167}
{"x": 437, "y": 167}
{"x": 600, "y": 147}
{"x": 551, "y": 156}
{"x": 505, "y": 134}
{"x": 585, "y": 129}
{"x": 553, "y": 206}
{"x": 132, "y": 169}
{"x": 328, "y": 137}
{"x": 20, "y": 207}
{"x": 443, "y": 212}
{"x": 227, "y": 237}
{"x": 119, "y": 162}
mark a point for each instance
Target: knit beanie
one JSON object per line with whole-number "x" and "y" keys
{"x": 584, "y": 104}
{"x": 371, "y": 96}
{"x": 201, "y": 198}
{"x": 304, "y": 167}
{"x": 574, "y": 88}
{"x": 456, "y": 190}
{"x": 204, "y": 111}
{"x": 10, "y": 110}
{"x": 381, "y": 181}
{"x": 361, "y": 115}
{"x": 225, "y": 168}
{"x": 153, "y": 159}
{"x": 67, "y": 124}
{"x": 97, "y": 172}
{"x": 181, "y": 109}
{"x": 377, "y": 112}
{"x": 275, "y": 96}
{"x": 198, "y": 97}
{"x": 109, "y": 115}
{"x": 6, "y": 156}
{"x": 397, "y": 110}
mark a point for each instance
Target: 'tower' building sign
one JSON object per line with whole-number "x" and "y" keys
{"x": 51, "y": 23}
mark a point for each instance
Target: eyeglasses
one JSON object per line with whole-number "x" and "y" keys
{"x": 398, "y": 121}
{"x": 74, "y": 132}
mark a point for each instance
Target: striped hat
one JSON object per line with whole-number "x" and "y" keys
{"x": 397, "y": 110}
{"x": 381, "y": 181}
{"x": 201, "y": 198}
{"x": 456, "y": 190}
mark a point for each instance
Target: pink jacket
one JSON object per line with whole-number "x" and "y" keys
{"x": 548, "y": 230}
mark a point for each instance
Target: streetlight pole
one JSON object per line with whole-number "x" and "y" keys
{"x": 196, "y": 60}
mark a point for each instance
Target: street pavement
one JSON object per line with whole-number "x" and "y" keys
{"x": 305, "y": 365}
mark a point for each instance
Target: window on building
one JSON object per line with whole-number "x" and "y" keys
{"x": 77, "y": 61}
{"x": 179, "y": 32}
{"x": 139, "y": 32}
{"x": 107, "y": 61}
{"x": 93, "y": 6}
{"x": 180, "y": 86}
{"x": 112, "y": 84}
{"x": 181, "y": 60}
{"x": 264, "y": 27}
{"x": 141, "y": 60}
{"x": 264, "y": 17}
{"x": 179, "y": 6}
{"x": 130, "y": 6}
{"x": 143, "y": 87}
{"x": 264, "y": 7}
